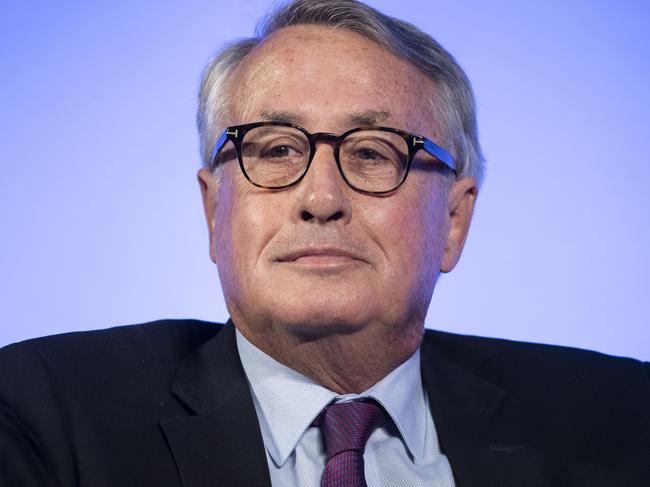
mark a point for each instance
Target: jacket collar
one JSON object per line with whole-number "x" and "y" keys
{"x": 466, "y": 410}
{"x": 219, "y": 443}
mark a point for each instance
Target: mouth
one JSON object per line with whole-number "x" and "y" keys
{"x": 320, "y": 258}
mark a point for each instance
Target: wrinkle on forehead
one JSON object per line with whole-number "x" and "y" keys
{"x": 315, "y": 60}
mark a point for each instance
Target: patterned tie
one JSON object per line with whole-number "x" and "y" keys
{"x": 346, "y": 427}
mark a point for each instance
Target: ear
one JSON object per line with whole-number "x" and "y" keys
{"x": 461, "y": 199}
{"x": 209, "y": 184}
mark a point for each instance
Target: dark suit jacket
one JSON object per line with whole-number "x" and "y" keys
{"x": 167, "y": 404}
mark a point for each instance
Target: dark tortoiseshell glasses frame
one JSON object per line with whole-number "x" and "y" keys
{"x": 414, "y": 142}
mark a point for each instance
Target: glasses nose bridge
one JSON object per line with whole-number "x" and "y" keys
{"x": 333, "y": 139}
{"x": 324, "y": 137}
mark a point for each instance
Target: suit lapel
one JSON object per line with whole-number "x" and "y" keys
{"x": 466, "y": 411}
{"x": 220, "y": 442}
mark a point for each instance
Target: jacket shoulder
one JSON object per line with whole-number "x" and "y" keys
{"x": 584, "y": 414}
{"x": 570, "y": 382}
{"x": 92, "y": 360}
{"x": 476, "y": 351}
{"x": 92, "y": 397}
{"x": 161, "y": 338}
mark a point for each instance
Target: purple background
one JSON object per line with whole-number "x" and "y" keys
{"x": 100, "y": 209}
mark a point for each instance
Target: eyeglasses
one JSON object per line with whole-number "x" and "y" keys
{"x": 374, "y": 160}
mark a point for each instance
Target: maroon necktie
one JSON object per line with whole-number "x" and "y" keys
{"x": 346, "y": 427}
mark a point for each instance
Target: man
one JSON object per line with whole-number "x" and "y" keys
{"x": 341, "y": 167}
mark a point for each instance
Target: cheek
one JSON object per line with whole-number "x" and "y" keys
{"x": 245, "y": 222}
{"x": 223, "y": 236}
{"x": 414, "y": 233}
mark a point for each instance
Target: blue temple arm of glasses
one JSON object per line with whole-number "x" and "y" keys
{"x": 223, "y": 138}
{"x": 439, "y": 153}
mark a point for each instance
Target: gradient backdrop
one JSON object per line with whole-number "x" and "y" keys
{"x": 100, "y": 210}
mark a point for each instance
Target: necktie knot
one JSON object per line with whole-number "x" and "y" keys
{"x": 348, "y": 425}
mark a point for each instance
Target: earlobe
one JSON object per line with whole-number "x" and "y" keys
{"x": 209, "y": 190}
{"x": 461, "y": 200}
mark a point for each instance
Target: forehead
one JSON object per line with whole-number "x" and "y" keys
{"x": 323, "y": 77}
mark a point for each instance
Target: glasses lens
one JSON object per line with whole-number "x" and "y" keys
{"x": 374, "y": 160}
{"x": 274, "y": 156}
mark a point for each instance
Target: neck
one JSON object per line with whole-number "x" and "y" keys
{"x": 342, "y": 360}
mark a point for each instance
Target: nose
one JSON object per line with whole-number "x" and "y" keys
{"x": 323, "y": 196}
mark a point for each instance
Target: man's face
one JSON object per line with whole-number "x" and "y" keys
{"x": 319, "y": 257}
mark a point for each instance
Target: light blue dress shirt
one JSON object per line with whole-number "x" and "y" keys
{"x": 404, "y": 453}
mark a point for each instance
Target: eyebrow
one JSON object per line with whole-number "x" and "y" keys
{"x": 358, "y": 119}
{"x": 278, "y": 116}
{"x": 368, "y": 117}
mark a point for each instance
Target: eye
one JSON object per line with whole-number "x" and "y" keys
{"x": 368, "y": 154}
{"x": 274, "y": 144}
{"x": 278, "y": 151}
{"x": 374, "y": 151}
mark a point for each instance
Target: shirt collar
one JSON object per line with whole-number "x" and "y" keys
{"x": 287, "y": 402}
{"x": 402, "y": 396}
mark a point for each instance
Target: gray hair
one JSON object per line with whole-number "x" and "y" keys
{"x": 453, "y": 105}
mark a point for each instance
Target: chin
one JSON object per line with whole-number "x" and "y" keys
{"x": 321, "y": 320}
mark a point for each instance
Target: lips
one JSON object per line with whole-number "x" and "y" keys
{"x": 319, "y": 255}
